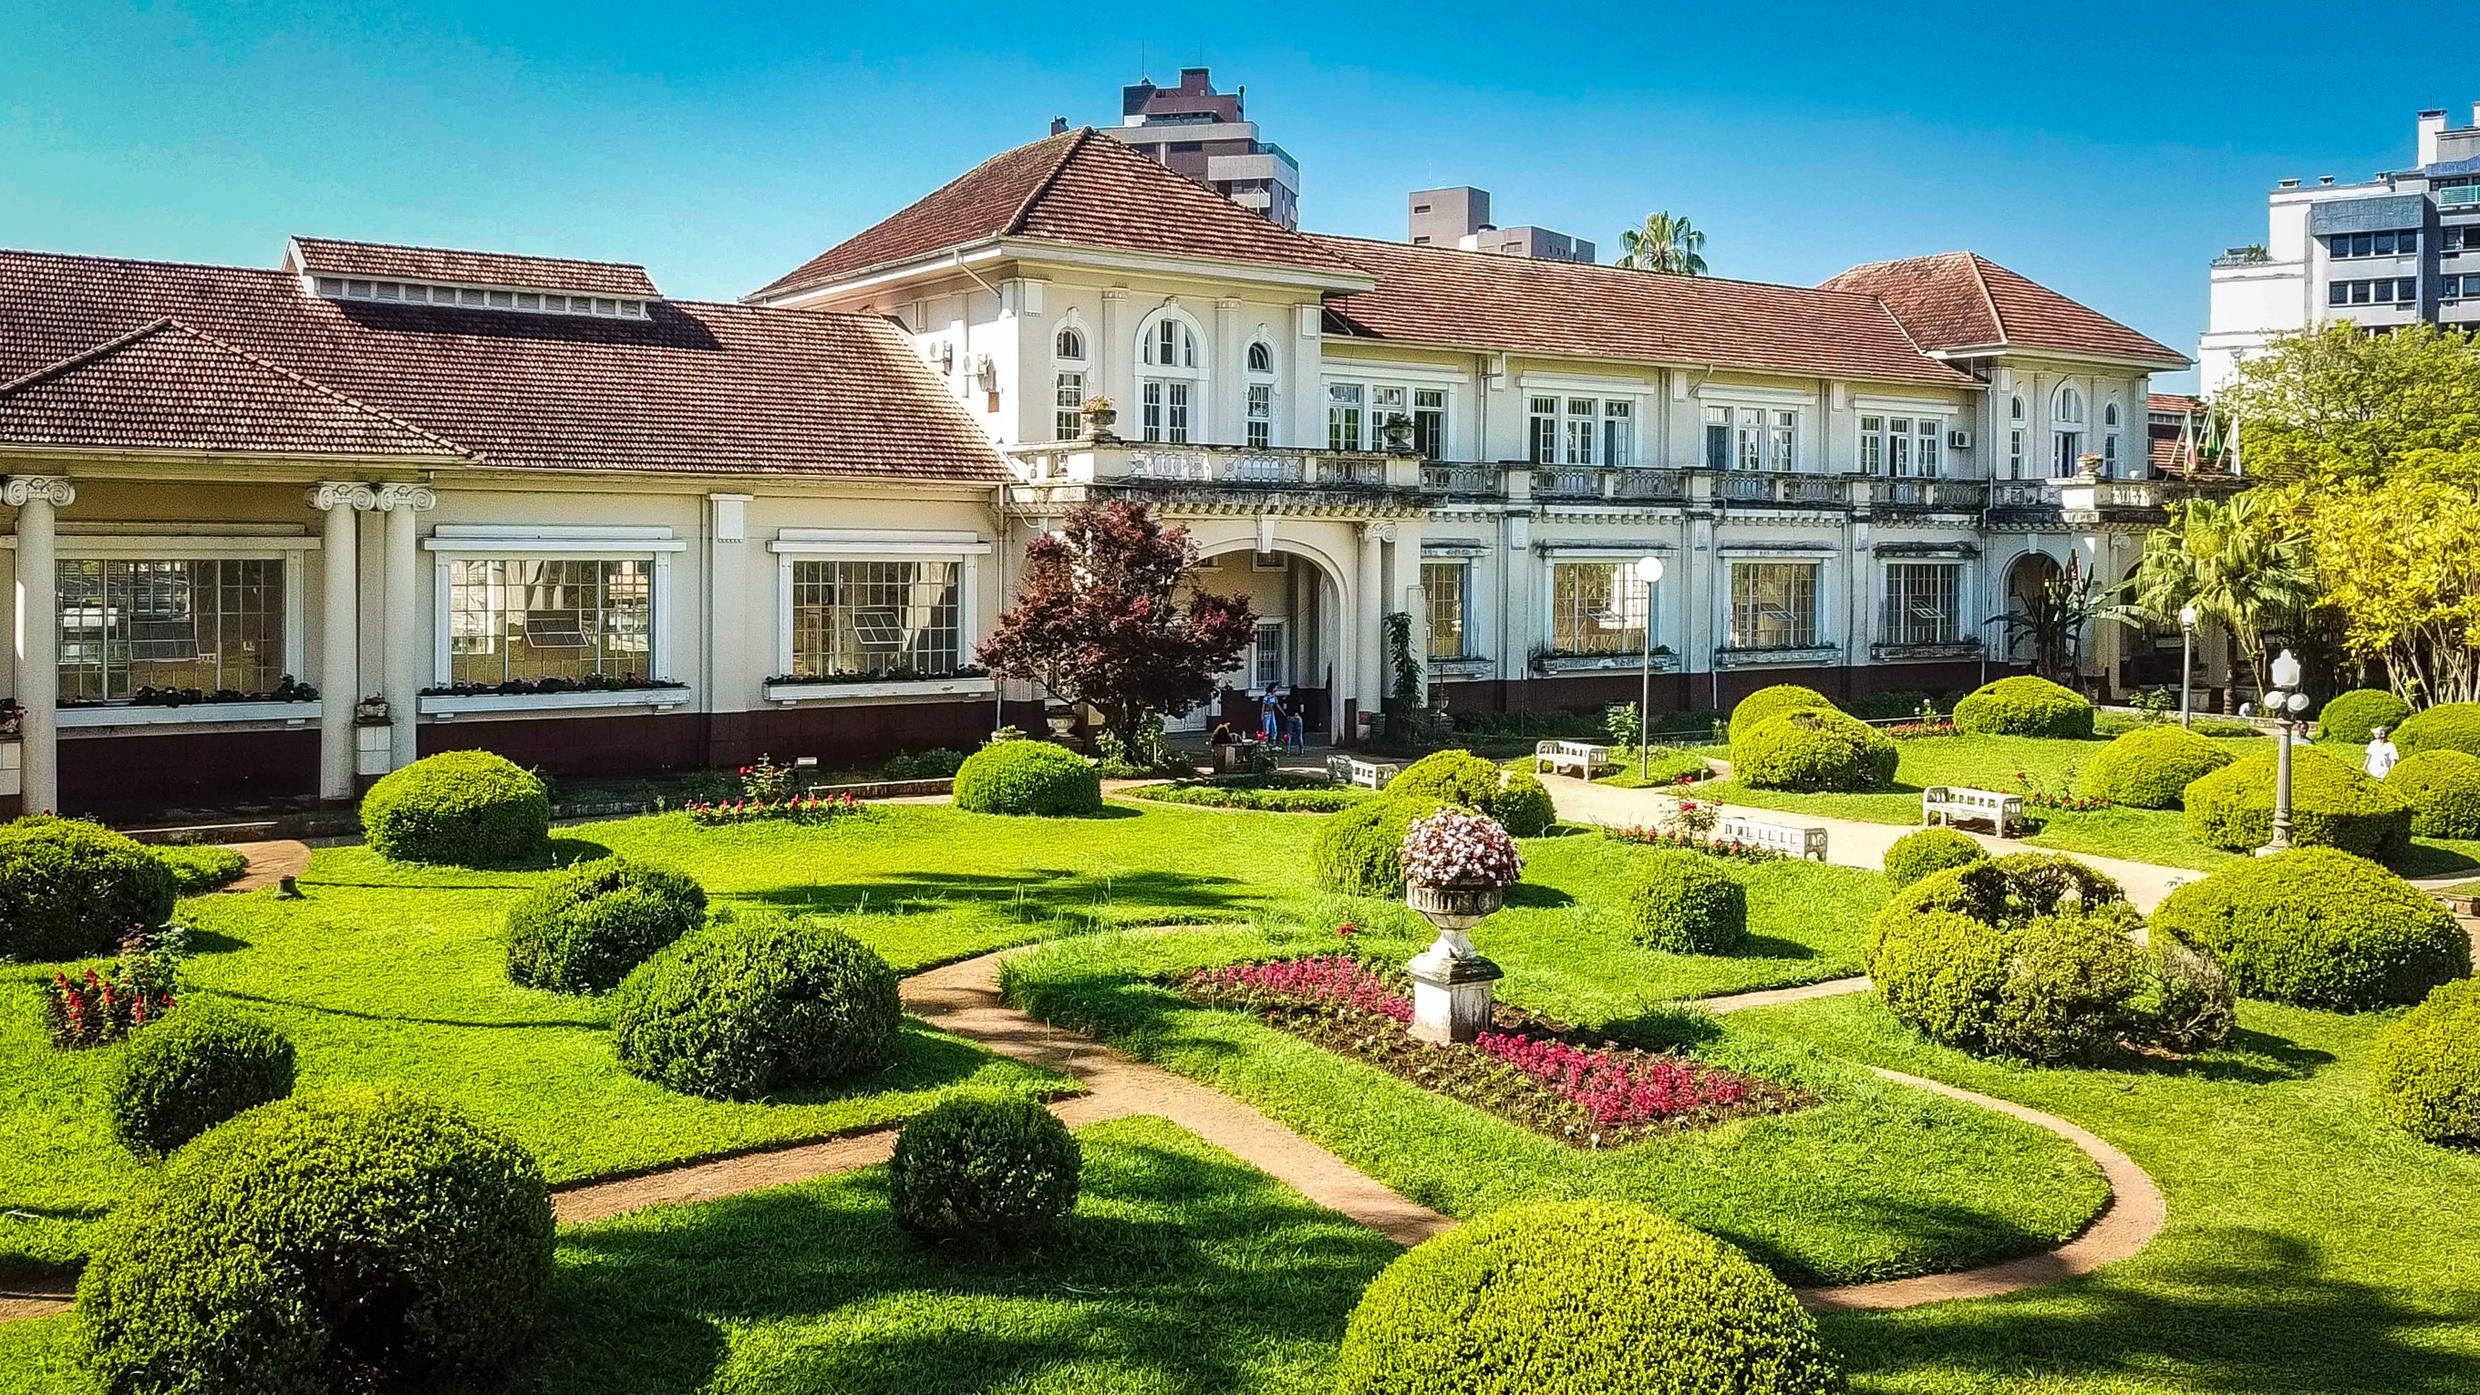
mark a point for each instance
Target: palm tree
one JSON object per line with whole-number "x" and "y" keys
{"x": 1666, "y": 243}
{"x": 2240, "y": 563}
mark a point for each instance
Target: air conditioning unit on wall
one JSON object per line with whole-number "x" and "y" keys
{"x": 1959, "y": 440}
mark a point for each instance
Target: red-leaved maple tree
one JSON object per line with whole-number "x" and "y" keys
{"x": 1096, "y": 622}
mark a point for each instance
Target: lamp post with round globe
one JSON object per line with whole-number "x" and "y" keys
{"x": 1649, "y": 571}
{"x": 2285, "y": 702}
{"x": 2187, "y": 657}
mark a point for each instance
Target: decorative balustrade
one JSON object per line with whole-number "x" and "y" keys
{"x": 2023, "y": 494}
{"x": 1201, "y": 465}
{"x": 1464, "y": 481}
{"x": 1935, "y": 494}
{"x": 1766, "y": 487}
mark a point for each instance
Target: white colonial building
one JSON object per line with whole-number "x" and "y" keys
{"x": 283, "y": 529}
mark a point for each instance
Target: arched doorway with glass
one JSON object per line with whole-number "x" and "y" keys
{"x": 2031, "y": 640}
{"x": 1297, "y": 654}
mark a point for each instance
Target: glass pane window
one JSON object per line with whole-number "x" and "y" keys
{"x": 1429, "y": 423}
{"x": 874, "y": 617}
{"x": 1068, "y": 397}
{"x": 1596, "y": 608}
{"x": 1442, "y": 583}
{"x": 1925, "y": 456}
{"x": 1921, "y": 603}
{"x": 1872, "y": 445}
{"x": 527, "y": 620}
{"x": 1542, "y": 422}
{"x": 1618, "y": 432}
{"x": 1343, "y": 416}
{"x": 1781, "y": 441}
{"x": 1773, "y": 605}
{"x": 1266, "y": 658}
{"x": 1261, "y": 415}
{"x": 1717, "y": 438}
{"x": 1899, "y": 445}
{"x": 1581, "y": 415}
{"x": 213, "y": 626}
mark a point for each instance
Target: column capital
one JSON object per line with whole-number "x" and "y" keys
{"x": 413, "y": 498}
{"x": 1115, "y": 293}
{"x": 343, "y": 494}
{"x": 1378, "y": 530}
{"x": 19, "y": 490}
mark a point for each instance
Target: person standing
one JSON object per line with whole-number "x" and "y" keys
{"x": 1296, "y": 721}
{"x": 1269, "y": 717}
{"x": 2381, "y": 753}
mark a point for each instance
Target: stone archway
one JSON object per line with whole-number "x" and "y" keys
{"x": 2026, "y": 579}
{"x": 1299, "y": 652}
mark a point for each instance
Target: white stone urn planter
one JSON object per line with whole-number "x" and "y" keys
{"x": 1451, "y": 981}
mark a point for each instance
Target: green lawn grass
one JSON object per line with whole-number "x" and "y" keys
{"x": 1662, "y": 767}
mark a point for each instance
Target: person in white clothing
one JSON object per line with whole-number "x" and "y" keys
{"x": 2381, "y": 753}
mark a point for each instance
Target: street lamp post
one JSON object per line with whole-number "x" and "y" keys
{"x": 2187, "y": 657}
{"x": 1648, "y": 571}
{"x": 2285, "y": 701}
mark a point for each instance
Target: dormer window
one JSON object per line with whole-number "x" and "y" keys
{"x": 480, "y": 298}
{"x": 393, "y": 275}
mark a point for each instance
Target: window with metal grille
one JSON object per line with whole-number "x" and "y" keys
{"x": 144, "y": 623}
{"x": 519, "y": 619}
{"x": 1596, "y": 608}
{"x": 1921, "y": 603}
{"x": 1773, "y": 605}
{"x": 1442, "y": 583}
{"x": 873, "y": 617}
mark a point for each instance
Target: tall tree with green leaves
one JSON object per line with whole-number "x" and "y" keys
{"x": 2243, "y": 563}
{"x": 2398, "y": 563}
{"x": 1666, "y": 243}
{"x": 2337, "y": 403}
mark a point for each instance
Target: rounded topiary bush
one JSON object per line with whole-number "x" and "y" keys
{"x": 70, "y": 889}
{"x": 2450, "y": 726}
{"x": 1812, "y": 749}
{"x": 2443, "y": 790}
{"x": 986, "y": 1170}
{"x": 748, "y": 1007}
{"x": 1360, "y": 851}
{"x": 2355, "y": 716}
{"x": 2024, "y": 706}
{"x": 2191, "y": 1003}
{"x": 1767, "y": 703}
{"x": 2332, "y": 805}
{"x": 1523, "y": 805}
{"x": 2004, "y": 891}
{"x": 2318, "y": 927}
{"x": 360, "y": 1239}
{"x": 1451, "y": 777}
{"x": 1580, "y": 1298}
{"x": 191, "y": 1071}
{"x": 2059, "y": 987}
{"x": 2151, "y": 767}
{"x": 1916, "y": 855}
{"x": 1684, "y": 902}
{"x": 2427, "y": 1066}
{"x": 584, "y": 929}
{"x": 459, "y": 809}
{"x": 1028, "y": 777}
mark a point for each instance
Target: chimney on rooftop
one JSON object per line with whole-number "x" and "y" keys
{"x": 2475, "y": 113}
{"x": 1059, "y": 125}
{"x": 2432, "y": 124}
{"x": 2324, "y": 179}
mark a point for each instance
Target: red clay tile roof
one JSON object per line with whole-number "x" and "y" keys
{"x": 697, "y": 388}
{"x": 1078, "y": 187}
{"x": 1444, "y": 296}
{"x": 1962, "y": 300}
{"x": 324, "y": 256}
{"x": 2177, "y": 402}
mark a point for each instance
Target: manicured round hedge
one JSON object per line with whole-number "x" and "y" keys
{"x": 359, "y": 1239}
{"x": 1684, "y": 902}
{"x": 1916, "y": 855}
{"x": 2060, "y": 987}
{"x": 748, "y": 1007}
{"x": 1360, "y": 851}
{"x": 2451, "y": 726}
{"x": 1812, "y": 749}
{"x": 459, "y": 809}
{"x": 2007, "y": 891}
{"x": 2024, "y": 706}
{"x": 2151, "y": 767}
{"x": 2354, "y": 716}
{"x": 1523, "y": 806}
{"x": 1580, "y": 1298}
{"x": 2191, "y": 1004}
{"x": 2318, "y": 927}
{"x": 1028, "y": 777}
{"x": 71, "y": 889}
{"x": 1451, "y": 777}
{"x": 191, "y": 1071}
{"x": 584, "y": 929}
{"x": 2443, "y": 790}
{"x": 2332, "y": 805}
{"x": 984, "y": 1170}
{"x": 2427, "y": 1066}
{"x": 1767, "y": 703}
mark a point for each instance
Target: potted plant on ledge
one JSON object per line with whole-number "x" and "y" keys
{"x": 1099, "y": 416}
{"x": 1457, "y": 868}
{"x": 10, "y": 715}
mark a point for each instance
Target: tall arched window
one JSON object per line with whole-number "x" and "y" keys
{"x": 2066, "y": 422}
{"x": 2109, "y": 439}
{"x": 1068, "y": 386}
{"x": 1258, "y": 411}
{"x": 1171, "y": 383}
{"x": 2016, "y": 424}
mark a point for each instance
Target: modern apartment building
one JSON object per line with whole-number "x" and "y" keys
{"x": 1460, "y": 217}
{"x": 2400, "y": 248}
{"x": 1207, "y": 136}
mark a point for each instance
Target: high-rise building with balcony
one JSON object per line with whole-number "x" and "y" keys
{"x": 1207, "y": 136}
{"x": 1460, "y": 217}
{"x": 2400, "y": 248}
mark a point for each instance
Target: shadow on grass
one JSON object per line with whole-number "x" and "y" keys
{"x": 2430, "y": 860}
{"x": 1773, "y": 947}
{"x": 1039, "y": 894}
{"x": 1537, "y": 896}
{"x": 2247, "y": 1058}
{"x": 324, "y": 1010}
{"x": 924, "y": 1061}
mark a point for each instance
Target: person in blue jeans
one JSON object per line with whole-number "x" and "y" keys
{"x": 1269, "y": 718}
{"x": 1296, "y": 722}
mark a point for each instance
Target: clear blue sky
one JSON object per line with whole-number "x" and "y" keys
{"x": 2108, "y": 150}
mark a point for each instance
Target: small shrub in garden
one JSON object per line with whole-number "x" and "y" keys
{"x": 2449, "y": 726}
{"x": 745, "y": 1008}
{"x": 459, "y": 809}
{"x": 70, "y": 889}
{"x": 2427, "y": 1067}
{"x": 2151, "y": 767}
{"x": 1916, "y": 855}
{"x": 1522, "y": 805}
{"x": 202, "y": 868}
{"x": 2191, "y": 1003}
{"x": 2320, "y": 928}
{"x": 2354, "y": 716}
{"x": 1359, "y": 852}
{"x": 2024, "y": 706}
{"x": 937, "y": 763}
{"x": 2332, "y": 805}
{"x": 1451, "y": 777}
{"x": 1580, "y": 1298}
{"x": 192, "y": 1071}
{"x": 1812, "y": 749}
{"x": 2443, "y": 790}
{"x": 585, "y": 928}
{"x": 990, "y": 1171}
{"x": 1028, "y": 777}
{"x": 358, "y": 1239}
{"x": 1767, "y": 703}
{"x": 2059, "y": 987}
{"x": 1685, "y": 903}
{"x": 95, "y": 1007}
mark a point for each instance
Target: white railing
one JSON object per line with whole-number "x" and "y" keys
{"x": 1467, "y": 480}
{"x": 1762, "y": 487}
{"x": 1930, "y": 493}
{"x": 2023, "y": 494}
{"x": 1158, "y": 462}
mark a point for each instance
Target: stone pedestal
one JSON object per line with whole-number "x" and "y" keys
{"x": 1451, "y": 993}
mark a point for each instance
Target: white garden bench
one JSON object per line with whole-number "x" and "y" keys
{"x": 1789, "y": 839}
{"x": 1949, "y": 804}
{"x": 1351, "y": 770}
{"x": 1584, "y": 756}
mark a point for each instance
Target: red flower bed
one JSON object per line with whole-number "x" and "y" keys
{"x": 97, "y": 1008}
{"x": 799, "y": 808}
{"x": 1619, "y": 1088}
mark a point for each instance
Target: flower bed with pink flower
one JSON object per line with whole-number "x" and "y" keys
{"x": 797, "y": 808}
{"x": 1526, "y": 1070}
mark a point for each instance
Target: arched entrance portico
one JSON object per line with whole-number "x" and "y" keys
{"x": 2028, "y": 578}
{"x": 1302, "y": 648}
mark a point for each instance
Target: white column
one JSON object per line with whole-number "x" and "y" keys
{"x": 1369, "y": 615}
{"x": 340, "y": 627}
{"x": 1229, "y": 384}
{"x": 402, "y": 664}
{"x": 1114, "y": 358}
{"x": 36, "y": 497}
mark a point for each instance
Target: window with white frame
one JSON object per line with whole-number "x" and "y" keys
{"x": 1751, "y": 438}
{"x": 1717, "y": 438}
{"x": 1598, "y": 608}
{"x": 1429, "y": 423}
{"x": 2109, "y": 439}
{"x": 209, "y": 624}
{"x": 1541, "y": 422}
{"x": 1344, "y": 403}
{"x": 1922, "y": 603}
{"x": 1387, "y": 402}
{"x": 2015, "y": 427}
{"x": 1774, "y": 605}
{"x": 1443, "y": 586}
{"x": 1571, "y": 430}
{"x": 2066, "y": 430}
{"x": 1618, "y": 431}
{"x": 1261, "y": 358}
{"x": 1257, "y": 406}
{"x": 518, "y": 619}
{"x": 1267, "y": 668}
{"x": 852, "y": 616}
{"x": 1904, "y": 446}
{"x": 1170, "y": 386}
{"x": 1068, "y": 388}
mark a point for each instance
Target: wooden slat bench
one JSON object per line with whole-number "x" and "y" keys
{"x": 1351, "y": 770}
{"x": 1583, "y": 756}
{"x": 1951, "y": 804}
{"x": 1789, "y": 839}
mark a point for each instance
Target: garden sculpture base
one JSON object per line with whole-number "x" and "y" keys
{"x": 1451, "y": 993}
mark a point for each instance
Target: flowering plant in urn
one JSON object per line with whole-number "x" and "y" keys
{"x": 1456, "y": 848}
